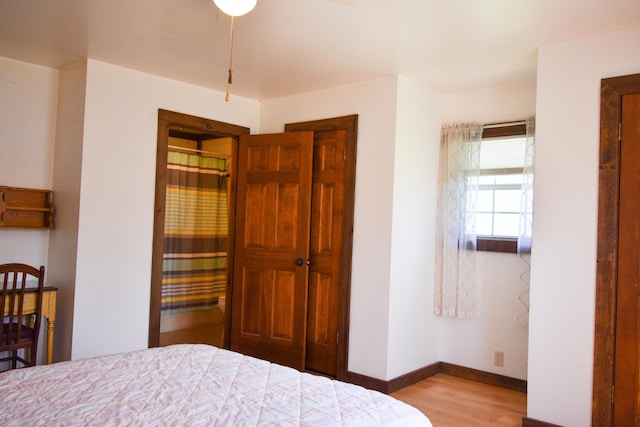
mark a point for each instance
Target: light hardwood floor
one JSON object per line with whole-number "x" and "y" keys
{"x": 212, "y": 335}
{"x": 208, "y": 329}
{"x": 455, "y": 402}
{"x": 448, "y": 401}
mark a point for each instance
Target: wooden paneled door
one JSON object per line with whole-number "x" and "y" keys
{"x": 616, "y": 385}
{"x": 268, "y": 318}
{"x": 626, "y": 407}
{"x": 274, "y": 319}
{"x": 326, "y": 230}
{"x": 332, "y": 203}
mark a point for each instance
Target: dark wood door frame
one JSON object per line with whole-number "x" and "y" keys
{"x": 177, "y": 122}
{"x": 183, "y": 125}
{"x": 350, "y": 125}
{"x": 612, "y": 91}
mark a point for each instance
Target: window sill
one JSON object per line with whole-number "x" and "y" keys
{"x": 506, "y": 245}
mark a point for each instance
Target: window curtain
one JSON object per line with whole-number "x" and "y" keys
{"x": 196, "y": 232}
{"x": 459, "y": 171}
{"x": 521, "y": 316}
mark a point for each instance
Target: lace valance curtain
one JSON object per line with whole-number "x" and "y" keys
{"x": 455, "y": 281}
{"x": 521, "y": 315}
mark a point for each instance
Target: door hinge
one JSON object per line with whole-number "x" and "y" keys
{"x": 620, "y": 131}
{"x": 337, "y": 337}
{"x": 345, "y": 155}
{"x": 613, "y": 393}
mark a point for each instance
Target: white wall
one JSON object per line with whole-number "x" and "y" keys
{"x": 63, "y": 244}
{"x": 375, "y": 104}
{"x": 412, "y": 324}
{"x": 472, "y": 342}
{"x": 27, "y": 125}
{"x": 565, "y": 221}
{"x": 114, "y": 246}
{"x": 29, "y": 95}
{"x": 500, "y": 103}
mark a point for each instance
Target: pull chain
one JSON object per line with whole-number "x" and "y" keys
{"x": 230, "y": 77}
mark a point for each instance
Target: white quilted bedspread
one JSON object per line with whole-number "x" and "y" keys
{"x": 189, "y": 385}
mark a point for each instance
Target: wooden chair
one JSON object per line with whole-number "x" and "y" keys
{"x": 19, "y": 330}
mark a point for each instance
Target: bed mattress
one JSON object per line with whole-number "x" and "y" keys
{"x": 190, "y": 385}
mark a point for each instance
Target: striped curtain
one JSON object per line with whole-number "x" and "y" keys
{"x": 194, "y": 271}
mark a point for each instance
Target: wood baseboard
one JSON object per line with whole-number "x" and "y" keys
{"x": 530, "y": 422}
{"x": 438, "y": 368}
{"x": 414, "y": 377}
{"x": 368, "y": 382}
{"x": 484, "y": 377}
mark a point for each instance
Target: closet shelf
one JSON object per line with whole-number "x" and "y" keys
{"x": 22, "y": 208}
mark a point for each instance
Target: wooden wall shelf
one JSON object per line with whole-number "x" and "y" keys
{"x": 26, "y": 208}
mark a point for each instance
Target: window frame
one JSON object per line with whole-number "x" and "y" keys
{"x": 500, "y": 244}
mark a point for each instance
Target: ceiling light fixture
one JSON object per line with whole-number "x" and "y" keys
{"x": 233, "y": 8}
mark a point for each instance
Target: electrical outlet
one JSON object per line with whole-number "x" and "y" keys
{"x": 498, "y": 358}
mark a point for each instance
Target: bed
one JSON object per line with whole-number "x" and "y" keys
{"x": 190, "y": 385}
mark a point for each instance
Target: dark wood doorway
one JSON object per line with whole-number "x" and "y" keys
{"x": 331, "y": 235}
{"x": 189, "y": 127}
{"x": 616, "y": 383}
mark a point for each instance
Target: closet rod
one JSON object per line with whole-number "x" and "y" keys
{"x": 193, "y": 150}
{"x": 496, "y": 125}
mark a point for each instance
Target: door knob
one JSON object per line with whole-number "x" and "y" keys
{"x": 299, "y": 262}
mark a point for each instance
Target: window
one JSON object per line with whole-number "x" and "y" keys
{"x": 499, "y": 198}
{"x": 485, "y": 202}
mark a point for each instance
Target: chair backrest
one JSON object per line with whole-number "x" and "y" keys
{"x": 17, "y": 279}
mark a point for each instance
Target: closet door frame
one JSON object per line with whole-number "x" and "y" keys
{"x": 178, "y": 122}
{"x": 612, "y": 90}
{"x": 172, "y": 122}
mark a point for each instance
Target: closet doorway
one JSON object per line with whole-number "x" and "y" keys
{"x": 193, "y": 229}
{"x": 322, "y": 313}
{"x": 616, "y": 368}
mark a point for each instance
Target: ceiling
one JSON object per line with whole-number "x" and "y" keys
{"x": 285, "y": 47}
